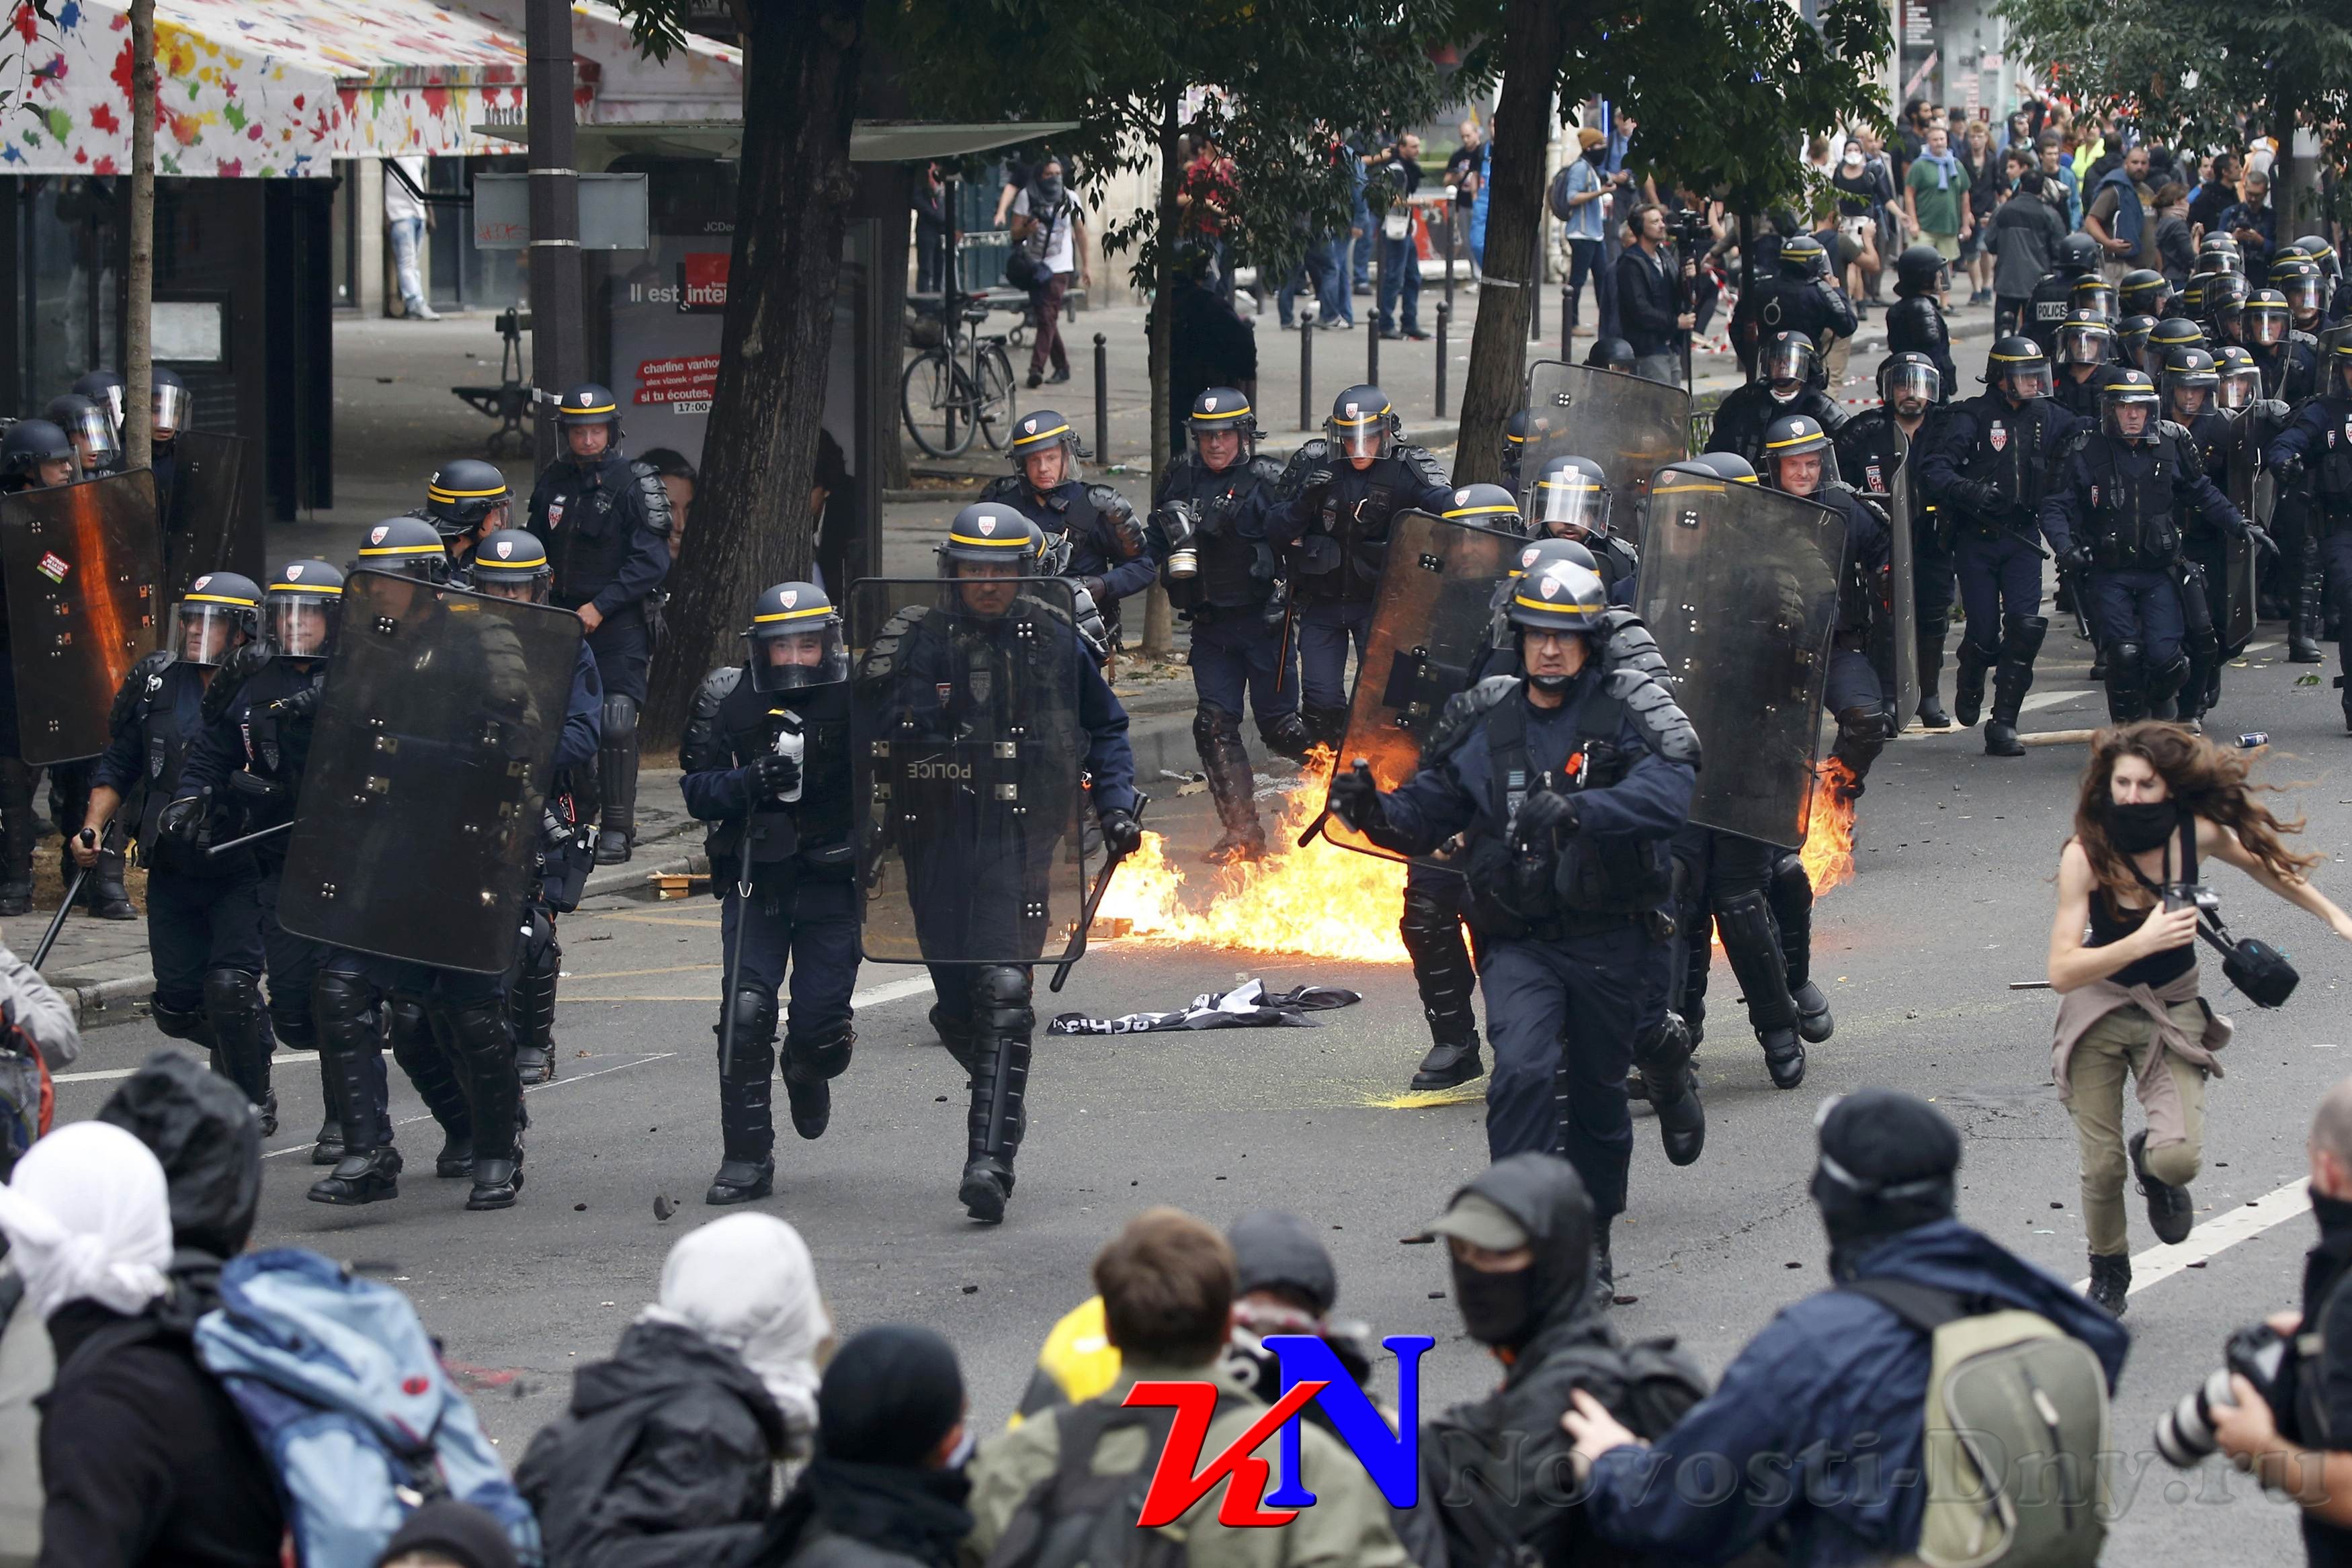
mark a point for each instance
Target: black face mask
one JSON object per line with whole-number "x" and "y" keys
{"x": 1498, "y": 1309}
{"x": 1050, "y": 187}
{"x": 2142, "y": 826}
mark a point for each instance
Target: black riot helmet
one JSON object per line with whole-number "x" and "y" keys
{"x": 169, "y": 401}
{"x": 2091, "y": 296}
{"x": 1917, "y": 270}
{"x": 2144, "y": 292}
{"x": 1910, "y": 376}
{"x": 1610, "y": 354}
{"x": 2336, "y": 375}
{"x": 2174, "y": 332}
{"x": 31, "y": 447}
{"x": 1223, "y": 409}
{"x": 1797, "y": 435}
{"x": 2242, "y": 379}
{"x": 410, "y": 547}
{"x": 90, "y": 429}
{"x": 1484, "y": 507}
{"x": 2017, "y": 368}
{"x": 2323, "y": 255}
{"x": 1726, "y": 465}
{"x": 989, "y": 531}
{"x": 795, "y": 637}
{"x": 2220, "y": 252}
{"x": 2300, "y": 282}
{"x": 2192, "y": 372}
{"x": 104, "y": 388}
{"x": 1536, "y": 554}
{"x": 1569, "y": 499}
{"x": 220, "y": 610}
{"x": 2191, "y": 301}
{"x": 2085, "y": 338}
{"x": 2131, "y": 336}
{"x": 511, "y": 564}
{"x": 2078, "y": 254}
{"x": 1361, "y": 425}
{"x": 1524, "y": 425}
{"x": 583, "y": 407}
{"x": 303, "y": 608}
{"x": 1802, "y": 256}
{"x": 2129, "y": 400}
{"x": 1558, "y": 596}
{"x": 1787, "y": 360}
{"x": 2225, "y": 296}
{"x": 1039, "y": 432}
{"x": 2264, "y": 318}
{"x": 467, "y": 495}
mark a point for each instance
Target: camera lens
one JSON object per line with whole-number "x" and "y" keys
{"x": 2184, "y": 1435}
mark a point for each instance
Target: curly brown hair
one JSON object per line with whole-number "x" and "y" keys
{"x": 2208, "y": 781}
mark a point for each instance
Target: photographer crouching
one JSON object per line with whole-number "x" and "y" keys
{"x": 2156, "y": 802}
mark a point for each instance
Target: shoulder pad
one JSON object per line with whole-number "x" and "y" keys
{"x": 2177, "y": 432}
{"x": 241, "y": 666}
{"x": 1461, "y": 715}
{"x": 1310, "y": 455}
{"x": 1265, "y": 470}
{"x": 143, "y": 677}
{"x": 655, "y": 495}
{"x": 1626, "y": 644}
{"x": 882, "y": 653}
{"x": 698, "y": 749}
{"x": 1663, "y": 723}
{"x": 1004, "y": 487}
{"x": 1106, "y": 500}
{"x": 2076, "y": 439}
{"x": 716, "y": 687}
{"x": 1618, "y": 550}
{"x": 1424, "y": 464}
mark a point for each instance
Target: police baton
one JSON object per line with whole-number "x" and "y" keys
{"x": 1094, "y": 903}
{"x": 1324, "y": 816}
{"x": 239, "y": 843}
{"x": 735, "y": 952}
{"x": 65, "y": 906}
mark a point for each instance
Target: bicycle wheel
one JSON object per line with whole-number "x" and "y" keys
{"x": 994, "y": 405}
{"x": 934, "y": 398}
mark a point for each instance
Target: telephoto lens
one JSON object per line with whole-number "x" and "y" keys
{"x": 2184, "y": 1435}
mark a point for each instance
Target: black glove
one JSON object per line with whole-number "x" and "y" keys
{"x": 2287, "y": 468}
{"x": 2076, "y": 557}
{"x": 1122, "y": 835}
{"x": 2262, "y": 540}
{"x": 1095, "y": 587}
{"x": 299, "y": 706}
{"x": 183, "y": 821}
{"x": 1543, "y": 811}
{"x": 1979, "y": 498}
{"x": 1355, "y": 800}
{"x": 772, "y": 774}
{"x": 1316, "y": 478}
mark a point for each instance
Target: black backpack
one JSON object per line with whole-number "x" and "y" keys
{"x": 1076, "y": 1519}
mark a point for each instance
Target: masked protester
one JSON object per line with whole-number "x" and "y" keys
{"x": 1521, "y": 1239}
{"x": 1838, "y": 1363}
{"x": 206, "y": 1136}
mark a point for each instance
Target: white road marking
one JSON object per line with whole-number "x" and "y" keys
{"x": 2220, "y": 1232}
{"x": 2036, "y": 701}
{"x": 305, "y": 1149}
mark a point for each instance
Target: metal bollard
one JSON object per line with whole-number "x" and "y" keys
{"x": 1372, "y": 321}
{"x": 1444, "y": 316}
{"x": 1306, "y": 372}
{"x": 1102, "y": 401}
{"x": 1449, "y": 252}
{"x": 1567, "y": 329}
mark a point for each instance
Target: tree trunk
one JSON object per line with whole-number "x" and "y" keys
{"x": 752, "y": 523}
{"x": 1537, "y": 35}
{"x": 137, "y": 374}
{"x": 1159, "y": 628}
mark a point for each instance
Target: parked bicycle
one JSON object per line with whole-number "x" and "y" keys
{"x": 957, "y": 387}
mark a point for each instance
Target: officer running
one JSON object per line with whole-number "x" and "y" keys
{"x": 1876, "y": 448}
{"x": 2319, "y": 444}
{"x": 1786, "y": 383}
{"x": 1801, "y": 461}
{"x": 1915, "y": 322}
{"x": 1092, "y": 534}
{"x": 1572, "y": 499}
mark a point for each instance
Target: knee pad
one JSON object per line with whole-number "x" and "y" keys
{"x": 1977, "y": 653}
{"x": 1790, "y": 890}
{"x": 2164, "y": 681}
{"x": 233, "y": 995}
{"x": 2123, "y": 661}
{"x": 1751, "y": 941}
{"x": 1430, "y": 912}
{"x": 344, "y": 1005}
{"x": 478, "y": 1029}
{"x": 1664, "y": 1050}
{"x": 1000, "y": 994}
{"x": 807, "y": 1061}
{"x": 177, "y": 1023}
{"x": 620, "y": 719}
{"x": 1212, "y": 726}
{"x": 1284, "y": 736}
{"x": 2020, "y": 637}
{"x": 754, "y": 1013}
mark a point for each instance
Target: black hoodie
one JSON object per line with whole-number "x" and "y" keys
{"x": 1492, "y": 1517}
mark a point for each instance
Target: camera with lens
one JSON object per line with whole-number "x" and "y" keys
{"x": 2184, "y": 1434}
{"x": 2179, "y": 896}
{"x": 1689, "y": 232}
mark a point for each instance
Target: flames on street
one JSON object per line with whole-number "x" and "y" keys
{"x": 1324, "y": 902}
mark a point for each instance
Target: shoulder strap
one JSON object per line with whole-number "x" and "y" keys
{"x": 1924, "y": 1307}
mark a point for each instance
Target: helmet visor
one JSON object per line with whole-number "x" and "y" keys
{"x": 93, "y": 437}
{"x": 2097, "y": 298}
{"x": 789, "y": 658}
{"x": 2241, "y": 385}
{"x": 2085, "y": 343}
{"x": 1569, "y": 505}
{"x": 171, "y": 407}
{"x": 1912, "y": 383}
{"x": 1789, "y": 360}
{"x": 2130, "y": 417}
{"x": 2027, "y": 381}
{"x": 1363, "y": 438}
{"x": 204, "y": 634}
{"x": 2302, "y": 293}
{"x": 303, "y": 626}
{"x": 2266, "y": 324}
{"x": 523, "y": 588}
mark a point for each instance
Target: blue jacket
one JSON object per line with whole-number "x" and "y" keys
{"x": 1826, "y": 1369}
{"x": 583, "y": 714}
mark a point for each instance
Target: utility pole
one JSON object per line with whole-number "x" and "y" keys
{"x": 138, "y": 377}
{"x": 559, "y": 355}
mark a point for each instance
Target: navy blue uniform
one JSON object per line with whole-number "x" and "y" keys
{"x": 1810, "y": 305}
{"x": 2081, "y": 397}
{"x": 1748, "y": 412}
{"x": 1866, "y": 454}
{"x": 1331, "y": 523}
{"x": 1853, "y": 694}
{"x": 2290, "y": 369}
{"x": 2320, "y": 442}
{"x": 1915, "y": 324}
{"x": 1108, "y": 550}
{"x": 1572, "y": 990}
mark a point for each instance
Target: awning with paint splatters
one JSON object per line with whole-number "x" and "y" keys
{"x": 253, "y": 89}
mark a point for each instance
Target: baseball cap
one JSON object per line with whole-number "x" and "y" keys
{"x": 1482, "y": 1222}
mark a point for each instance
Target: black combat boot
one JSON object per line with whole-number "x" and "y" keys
{"x": 1218, "y": 736}
{"x": 810, "y": 1066}
{"x": 1668, "y": 1082}
{"x": 429, "y": 1055}
{"x": 485, "y": 1045}
{"x": 2308, "y": 619}
{"x": 1792, "y": 911}
{"x": 747, "y": 1084}
{"x": 1932, "y": 633}
{"x": 1000, "y": 1081}
{"x": 2170, "y": 1212}
{"x": 369, "y": 1171}
{"x": 531, "y": 1013}
{"x": 1431, "y": 927}
{"x": 2020, "y": 640}
{"x": 2110, "y": 1283}
{"x": 1751, "y": 941}
{"x": 1970, "y": 668}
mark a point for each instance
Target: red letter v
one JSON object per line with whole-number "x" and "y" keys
{"x": 1174, "y": 1488}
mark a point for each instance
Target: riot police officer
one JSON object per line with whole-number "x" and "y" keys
{"x": 766, "y": 760}
{"x": 98, "y": 449}
{"x": 1515, "y": 443}
{"x": 251, "y": 752}
{"x": 465, "y": 499}
{"x": 1091, "y": 527}
{"x": 2131, "y": 343}
{"x": 2053, "y": 294}
{"x": 1800, "y": 298}
{"x": 1572, "y": 499}
{"x": 1915, "y": 322}
{"x": 976, "y": 883}
{"x": 104, "y": 388}
{"x": 605, "y": 521}
{"x": 1875, "y": 447}
{"x": 2290, "y": 368}
{"x": 508, "y": 563}
{"x": 1800, "y": 460}
{"x": 1987, "y": 475}
{"x": 2189, "y": 391}
{"x": 1330, "y": 518}
{"x": 1567, "y": 877}
{"x": 2144, "y": 291}
{"x": 204, "y": 911}
{"x": 2226, "y": 294}
{"x": 2087, "y": 361}
{"x": 2319, "y": 444}
{"x": 1785, "y": 384}
{"x": 1208, "y": 515}
{"x": 2117, "y": 512}
{"x": 171, "y": 407}
{"x": 1610, "y": 354}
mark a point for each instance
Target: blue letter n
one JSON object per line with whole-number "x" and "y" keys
{"x": 1391, "y": 1457}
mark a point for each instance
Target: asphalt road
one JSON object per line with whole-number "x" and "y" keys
{"x": 1951, "y": 903}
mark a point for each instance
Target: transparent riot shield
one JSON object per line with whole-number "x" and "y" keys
{"x": 80, "y": 563}
{"x": 1903, "y": 509}
{"x": 1740, "y": 587}
{"x": 966, "y": 756}
{"x": 213, "y": 525}
{"x": 421, "y": 812}
{"x": 2254, "y": 492}
{"x": 1435, "y": 618}
{"x": 1632, "y": 427}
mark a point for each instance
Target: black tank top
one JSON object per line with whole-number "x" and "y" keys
{"x": 2108, "y": 925}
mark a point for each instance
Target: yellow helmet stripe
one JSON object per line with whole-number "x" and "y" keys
{"x": 220, "y": 598}
{"x": 321, "y": 590}
{"x": 1485, "y": 511}
{"x": 1016, "y": 541}
{"x": 1700, "y": 487}
{"x": 1061, "y": 429}
{"x": 483, "y": 563}
{"x": 434, "y": 548}
{"x": 1221, "y": 413}
{"x": 600, "y": 408}
{"x": 792, "y": 614}
{"x": 1794, "y": 440}
{"x": 1593, "y": 607}
{"x": 435, "y": 493}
